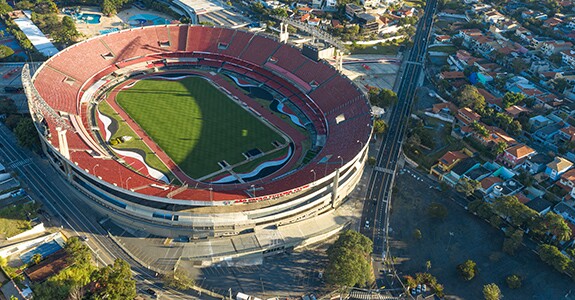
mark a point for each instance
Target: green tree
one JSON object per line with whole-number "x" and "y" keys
{"x": 5, "y": 51}
{"x": 513, "y": 281}
{"x": 469, "y": 96}
{"x": 499, "y": 148}
{"x": 467, "y": 186}
{"x": 178, "y": 280}
{"x": 437, "y": 211}
{"x": 114, "y": 282}
{"x": 467, "y": 269}
{"x": 553, "y": 257}
{"x": 518, "y": 65}
{"x": 379, "y": 126}
{"x": 512, "y": 241}
{"x": 479, "y": 129}
{"x": 560, "y": 84}
{"x": 108, "y": 8}
{"x": 4, "y": 7}
{"x": 349, "y": 261}
{"x": 26, "y": 134}
{"x": 417, "y": 234}
{"x": 371, "y": 160}
{"x": 515, "y": 127}
{"x": 511, "y": 98}
{"x": 7, "y": 106}
{"x": 66, "y": 33}
{"x": 491, "y": 292}
{"x": 36, "y": 258}
{"x": 557, "y": 227}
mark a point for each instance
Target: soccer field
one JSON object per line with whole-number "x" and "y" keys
{"x": 194, "y": 123}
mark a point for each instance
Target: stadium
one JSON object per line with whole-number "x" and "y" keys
{"x": 200, "y": 131}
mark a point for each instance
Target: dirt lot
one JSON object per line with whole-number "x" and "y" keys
{"x": 460, "y": 237}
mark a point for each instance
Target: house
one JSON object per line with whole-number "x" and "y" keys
{"x": 567, "y": 134}
{"x": 478, "y": 173}
{"x": 552, "y": 22}
{"x": 539, "y": 121}
{"x": 49, "y": 266}
{"x": 566, "y": 211}
{"x": 447, "y": 162}
{"x": 539, "y": 205}
{"x": 557, "y": 167}
{"x": 491, "y": 100}
{"x": 552, "y": 47}
{"x": 444, "y": 107}
{"x": 352, "y": 10}
{"x": 509, "y": 187}
{"x": 493, "y": 17}
{"x": 457, "y": 172}
{"x": 546, "y": 135}
{"x": 514, "y": 111}
{"x": 467, "y": 116}
{"x": 442, "y": 38}
{"x": 494, "y": 136}
{"x": 516, "y": 155}
{"x": 568, "y": 57}
{"x": 567, "y": 182}
{"x": 451, "y": 75}
{"x": 537, "y": 163}
{"x": 488, "y": 183}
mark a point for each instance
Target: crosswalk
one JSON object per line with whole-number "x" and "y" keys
{"x": 384, "y": 170}
{"x": 20, "y": 163}
{"x": 366, "y": 295}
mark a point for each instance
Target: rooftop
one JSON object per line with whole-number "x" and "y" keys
{"x": 519, "y": 150}
{"x": 559, "y": 164}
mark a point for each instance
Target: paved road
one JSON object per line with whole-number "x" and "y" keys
{"x": 63, "y": 202}
{"x": 378, "y": 204}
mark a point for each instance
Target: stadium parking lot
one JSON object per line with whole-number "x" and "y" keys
{"x": 286, "y": 275}
{"x": 459, "y": 237}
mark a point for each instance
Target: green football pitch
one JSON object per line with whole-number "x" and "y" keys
{"x": 194, "y": 123}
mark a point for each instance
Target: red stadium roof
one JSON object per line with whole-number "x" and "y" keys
{"x": 66, "y": 77}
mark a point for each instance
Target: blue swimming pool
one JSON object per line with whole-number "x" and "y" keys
{"x": 146, "y": 20}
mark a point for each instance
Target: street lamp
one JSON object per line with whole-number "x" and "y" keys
{"x": 341, "y": 160}
{"x": 314, "y": 175}
{"x": 253, "y": 190}
{"x": 360, "y": 143}
{"x": 211, "y": 197}
{"x": 94, "y": 169}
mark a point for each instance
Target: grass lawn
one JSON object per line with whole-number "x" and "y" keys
{"x": 195, "y": 124}
{"x": 13, "y": 218}
{"x": 124, "y": 130}
{"x": 387, "y": 49}
{"x": 446, "y": 49}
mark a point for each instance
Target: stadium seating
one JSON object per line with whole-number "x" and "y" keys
{"x": 315, "y": 88}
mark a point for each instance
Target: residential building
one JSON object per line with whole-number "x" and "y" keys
{"x": 493, "y": 17}
{"x": 447, "y": 162}
{"x": 467, "y": 116}
{"x": 488, "y": 183}
{"x": 457, "y": 172}
{"x": 451, "y": 75}
{"x": 516, "y": 155}
{"x": 537, "y": 163}
{"x": 568, "y": 57}
{"x": 540, "y": 205}
{"x": 552, "y": 47}
{"x": 367, "y": 23}
{"x": 567, "y": 182}
{"x": 566, "y": 211}
{"x": 567, "y": 134}
{"x": 352, "y": 10}
{"x": 557, "y": 167}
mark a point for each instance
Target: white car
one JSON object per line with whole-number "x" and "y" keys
{"x": 366, "y": 224}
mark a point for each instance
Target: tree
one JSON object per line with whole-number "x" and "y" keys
{"x": 467, "y": 269}
{"x": 515, "y": 127}
{"x": 513, "y": 281}
{"x": 382, "y": 97}
{"x": 26, "y": 134}
{"x": 379, "y": 126}
{"x": 467, "y": 186}
{"x": 512, "y": 241}
{"x": 437, "y": 211}
{"x": 555, "y": 58}
{"x": 108, "y": 8}
{"x": 178, "y": 280}
{"x": 491, "y": 292}
{"x": 36, "y": 258}
{"x": 4, "y": 7}
{"x": 479, "y": 129}
{"x": 349, "y": 262}
{"x": 560, "y": 84}
{"x": 469, "y": 96}
{"x": 417, "y": 234}
{"x": 66, "y": 33}
{"x": 553, "y": 257}
{"x": 518, "y": 65}
{"x": 114, "y": 282}
{"x": 7, "y": 106}
{"x": 5, "y": 51}
{"x": 499, "y": 148}
{"x": 427, "y": 265}
{"x": 557, "y": 227}
{"x": 511, "y": 98}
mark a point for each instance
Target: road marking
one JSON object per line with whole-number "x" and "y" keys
{"x": 384, "y": 170}
{"x": 20, "y": 163}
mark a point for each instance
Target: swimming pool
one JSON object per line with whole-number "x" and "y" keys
{"x": 146, "y": 20}
{"x": 88, "y": 18}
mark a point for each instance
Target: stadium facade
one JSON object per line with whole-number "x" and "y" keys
{"x": 64, "y": 92}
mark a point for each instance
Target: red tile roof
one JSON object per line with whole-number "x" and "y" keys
{"x": 520, "y": 150}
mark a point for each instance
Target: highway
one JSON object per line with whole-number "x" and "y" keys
{"x": 63, "y": 202}
{"x": 379, "y": 190}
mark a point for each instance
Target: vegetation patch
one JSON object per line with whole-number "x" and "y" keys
{"x": 14, "y": 219}
{"x": 195, "y": 123}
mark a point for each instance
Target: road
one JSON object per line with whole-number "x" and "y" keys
{"x": 64, "y": 204}
{"x": 379, "y": 189}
